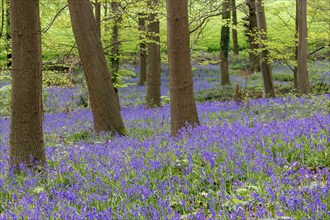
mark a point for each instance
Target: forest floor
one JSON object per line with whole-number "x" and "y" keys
{"x": 251, "y": 158}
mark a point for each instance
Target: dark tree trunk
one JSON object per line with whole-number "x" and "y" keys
{"x": 266, "y": 67}
{"x": 303, "y": 81}
{"x": 105, "y": 107}
{"x": 153, "y": 58}
{"x": 224, "y": 43}
{"x": 142, "y": 50}
{"x": 8, "y": 37}
{"x": 234, "y": 29}
{"x": 26, "y": 139}
{"x": 252, "y": 30}
{"x": 183, "y": 107}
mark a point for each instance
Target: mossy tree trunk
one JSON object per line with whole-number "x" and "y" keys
{"x": 224, "y": 43}
{"x": 234, "y": 28}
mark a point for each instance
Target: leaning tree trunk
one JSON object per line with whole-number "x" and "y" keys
{"x": 142, "y": 50}
{"x": 114, "y": 59}
{"x": 182, "y": 101}
{"x": 98, "y": 16}
{"x": 252, "y": 32}
{"x": 224, "y": 43}
{"x": 303, "y": 81}
{"x": 153, "y": 58}
{"x": 105, "y": 108}
{"x": 266, "y": 67}
{"x": 234, "y": 29}
{"x": 26, "y": 140}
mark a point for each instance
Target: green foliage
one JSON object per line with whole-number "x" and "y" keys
{"x": 283, "y": 77}
{"x": 51, "y": 78}
{"x": 122, "y": 78}
{"x": 5, "y": 99}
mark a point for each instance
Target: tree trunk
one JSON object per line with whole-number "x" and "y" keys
{"x": 224, "y": 43}
{"x": 234, "y": 29}
{"x": 26, "y": 139}
{"x": 142, "y": 50}
{"x": 254, "y": 59}
{"x": 303, "y": 81}
{"x": 98, "y": 16}
{"x": 295, "y": 70}
{"x": 153, "y": 58}
{"x": 182, "y": 101}
{"x": 266, "y": 67}
{"x": 114, "y": 59}
{"x": 8, "y": 37}
{"x": 106, "y": 113}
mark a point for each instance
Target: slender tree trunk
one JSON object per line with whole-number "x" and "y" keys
{"x": 8, "y": 37}
{"x": 303, "y": 81}
{"x": 26, "y": 139}
{"x": 142, "y": 50}
{"x": 114, "y": 59}
{"x": 252, "y": 32}
{"x": 98, "y": 16}
{"x": 153, "y": 58}
{"x": 295, "y": 70}
{"x": 234, "y": 29}
{"x": 224, "y": 43}
{"x": 266, "y": 67}
{"x": 105, "y": 108}
{"x": 182, "y": 101}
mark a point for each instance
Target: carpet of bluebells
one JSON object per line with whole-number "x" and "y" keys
{"x": 256, "y": 159}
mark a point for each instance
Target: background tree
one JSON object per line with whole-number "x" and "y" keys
{"x": 182, "y": 101}
{"x": 266, "y": 67}
{"x": 8, "y": 36}
{"x": 142, "y": 49}
{"x": 224, "y": 43}
{"x": 251, "y": 32}
{"x": 26, "y": 139}
{"x": 98, "y": 16}
{"x": 153, "y": 57}
{"x": 105, "y": 107}
{"x": 303, "y": 81}
{"x": 234, "y": 28}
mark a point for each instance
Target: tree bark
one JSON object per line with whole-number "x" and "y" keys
{"x": 114, "y": 59}
{"x": 295, "y": 70}
{"x": 266, "y": 67}
{"x": 234, "y": 29}
{"x": 254, "y": 59}
{"x": 98, "y": 16}
{"x": 153, "y": 58}
{"x": 26, "y": 139}
{"x": 8, "y": 37}
{"x": 224, "y": 43}
{"x": 303, "y": 81}
{"x": 182, "y": 101}
{"x": 142, "y": 50}
{"x": 105, "y": 108}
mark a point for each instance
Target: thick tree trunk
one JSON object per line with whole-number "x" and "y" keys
{"x": 295, "y": 70}
{"x": 224, "y": 43}
{"x": 254, "y": 59}
{"x": 114, "y": 59}
{"x": 183, "y": 107}
{"x": 26, "y": 139}
{"x": 303, "y": 81}
{"x": 106, "y": 113}
{"x": 234, "y": 29}
{"x": 142, "y": 50}
{"x": 98, "y": 16}
{"x": 266, "y": 67}
{"x": 153, "y": 58}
